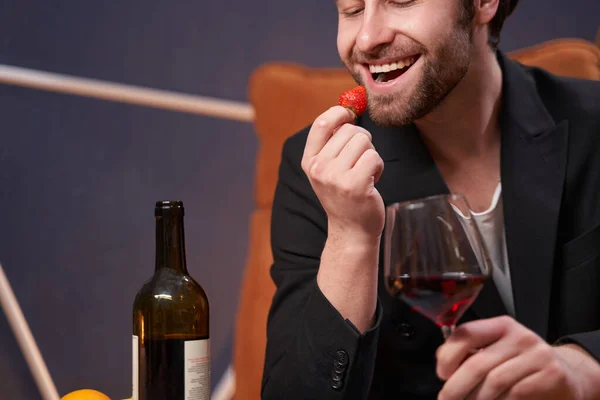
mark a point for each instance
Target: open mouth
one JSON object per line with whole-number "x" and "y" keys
{"x": 388, "y": 72}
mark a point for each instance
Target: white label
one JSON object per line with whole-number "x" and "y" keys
{"x": 135, "y": 368}
{"x": 197, "y": 369}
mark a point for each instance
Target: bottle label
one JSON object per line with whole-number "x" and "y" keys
{"x": 136, "y": 372}
{"x": 197, "y": 369}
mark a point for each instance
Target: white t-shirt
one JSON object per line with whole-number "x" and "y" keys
{"x": 491, "y": 225}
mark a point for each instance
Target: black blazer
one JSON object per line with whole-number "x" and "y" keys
{"x": 550, "y": 169}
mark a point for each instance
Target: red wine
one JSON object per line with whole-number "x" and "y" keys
{"x": 443, "y": 299}
{"x": 163, "y": 370}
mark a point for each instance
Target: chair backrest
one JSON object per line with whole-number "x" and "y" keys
{"x": 286, "y": 98}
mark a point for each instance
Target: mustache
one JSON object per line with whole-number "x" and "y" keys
{"x": 387, "y": 52}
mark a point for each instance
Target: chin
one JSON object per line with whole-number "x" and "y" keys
{"x": 387, "y": 120}
{"x": 392, "y": 110}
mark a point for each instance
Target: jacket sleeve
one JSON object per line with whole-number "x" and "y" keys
{"x": 312, "y": 352}
{"x": 589, "y": 341}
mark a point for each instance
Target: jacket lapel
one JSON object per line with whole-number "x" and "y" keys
{"x": 533, "y": 164}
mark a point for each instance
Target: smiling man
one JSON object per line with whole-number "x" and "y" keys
{"x": 448, "y": 112}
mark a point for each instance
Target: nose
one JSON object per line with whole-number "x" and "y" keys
{"x": 375, "y": 30}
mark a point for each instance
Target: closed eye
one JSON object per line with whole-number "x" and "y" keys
{"x": 404, "y": 3}
{"x": 351, "y": 12}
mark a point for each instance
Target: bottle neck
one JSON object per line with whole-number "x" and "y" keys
{"x": 170, "y": 242}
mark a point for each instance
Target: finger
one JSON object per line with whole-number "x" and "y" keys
{"x": 467, "y": 338}
{"x": 340, "y": 139}
{"x": 368, "y": 167}
{"x": 354, "y": 149}
{"x": 506, "y": 375}
{"x": 474, "y": 370}
{"x": 324, "y": 127}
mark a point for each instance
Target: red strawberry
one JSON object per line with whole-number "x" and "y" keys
{"x": 355, "y": 100}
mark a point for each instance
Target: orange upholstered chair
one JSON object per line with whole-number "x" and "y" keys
{"x": 286, "y": 98}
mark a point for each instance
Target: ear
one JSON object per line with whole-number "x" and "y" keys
{"x": 485, "y": 10}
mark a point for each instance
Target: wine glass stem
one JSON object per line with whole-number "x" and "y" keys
{"x": 447, "y": 330}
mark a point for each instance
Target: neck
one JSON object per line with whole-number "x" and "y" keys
{"x": 170, "y": 243}
{"x": 465, "y": 124}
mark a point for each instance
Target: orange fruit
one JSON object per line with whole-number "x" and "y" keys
{"x": 85, "y": 394}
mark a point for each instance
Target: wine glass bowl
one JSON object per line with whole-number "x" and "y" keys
{"x": 434, "y": 257}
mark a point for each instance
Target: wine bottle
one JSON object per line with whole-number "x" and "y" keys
{"x": 171, "y": 347}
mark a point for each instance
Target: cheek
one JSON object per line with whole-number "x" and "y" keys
{"x": 428, "y": 24}
{"x": 346, "y": 39}
{"x": 429, "y": 30}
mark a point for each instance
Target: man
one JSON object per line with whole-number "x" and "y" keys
{"x": 450, "y": 114}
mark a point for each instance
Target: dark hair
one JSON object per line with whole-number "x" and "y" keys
{"x": 505, "y": 8}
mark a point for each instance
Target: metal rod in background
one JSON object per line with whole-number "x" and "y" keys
{"x": 30, "y": 350}
{"x": 123, "y": 93}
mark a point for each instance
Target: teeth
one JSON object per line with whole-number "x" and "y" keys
{"x": 375, "y": 69}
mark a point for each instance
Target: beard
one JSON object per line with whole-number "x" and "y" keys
{"x": 442, "y": 69}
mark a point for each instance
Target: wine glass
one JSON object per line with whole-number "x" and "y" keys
{"x": 434, "y": 257}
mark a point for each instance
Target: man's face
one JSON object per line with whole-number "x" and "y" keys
{"x": 423, "y": 44}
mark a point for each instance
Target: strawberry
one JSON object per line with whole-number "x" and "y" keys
{"x": 355, "y": 100}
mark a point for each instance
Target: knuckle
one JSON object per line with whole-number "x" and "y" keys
{"x": 526, "y": 339}
{"x": 380, "y": 162}
{"x": 329, "y": 178}
{"x": 372, "y": 154}
{"x": 316, "y": 169}
{"x": 555, "y": 372}
{"x": 346, "y": 187}
{"x": 322, "y": 121}
{"x": 360, "y": 140}
{"x": 348, "y": 127}
{"x": 498, "y": 382}
{"x": 543, "y": 353}
{"x": 306, "y": 164}
{"x": 326, "y": 120}
{"x": 367, "y": 134}
{"x": 505, "y": 321}
{"x": 344, "y": 131}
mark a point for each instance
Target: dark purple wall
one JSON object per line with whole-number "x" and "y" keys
{"x": 79, "y": 177}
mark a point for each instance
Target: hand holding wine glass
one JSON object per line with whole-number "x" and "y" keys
{"x": 435, "y": 259}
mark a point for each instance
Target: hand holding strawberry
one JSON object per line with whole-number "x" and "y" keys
{"x": 342, "y": 166}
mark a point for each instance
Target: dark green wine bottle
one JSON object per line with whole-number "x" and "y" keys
{"x": 171, "y": 347}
